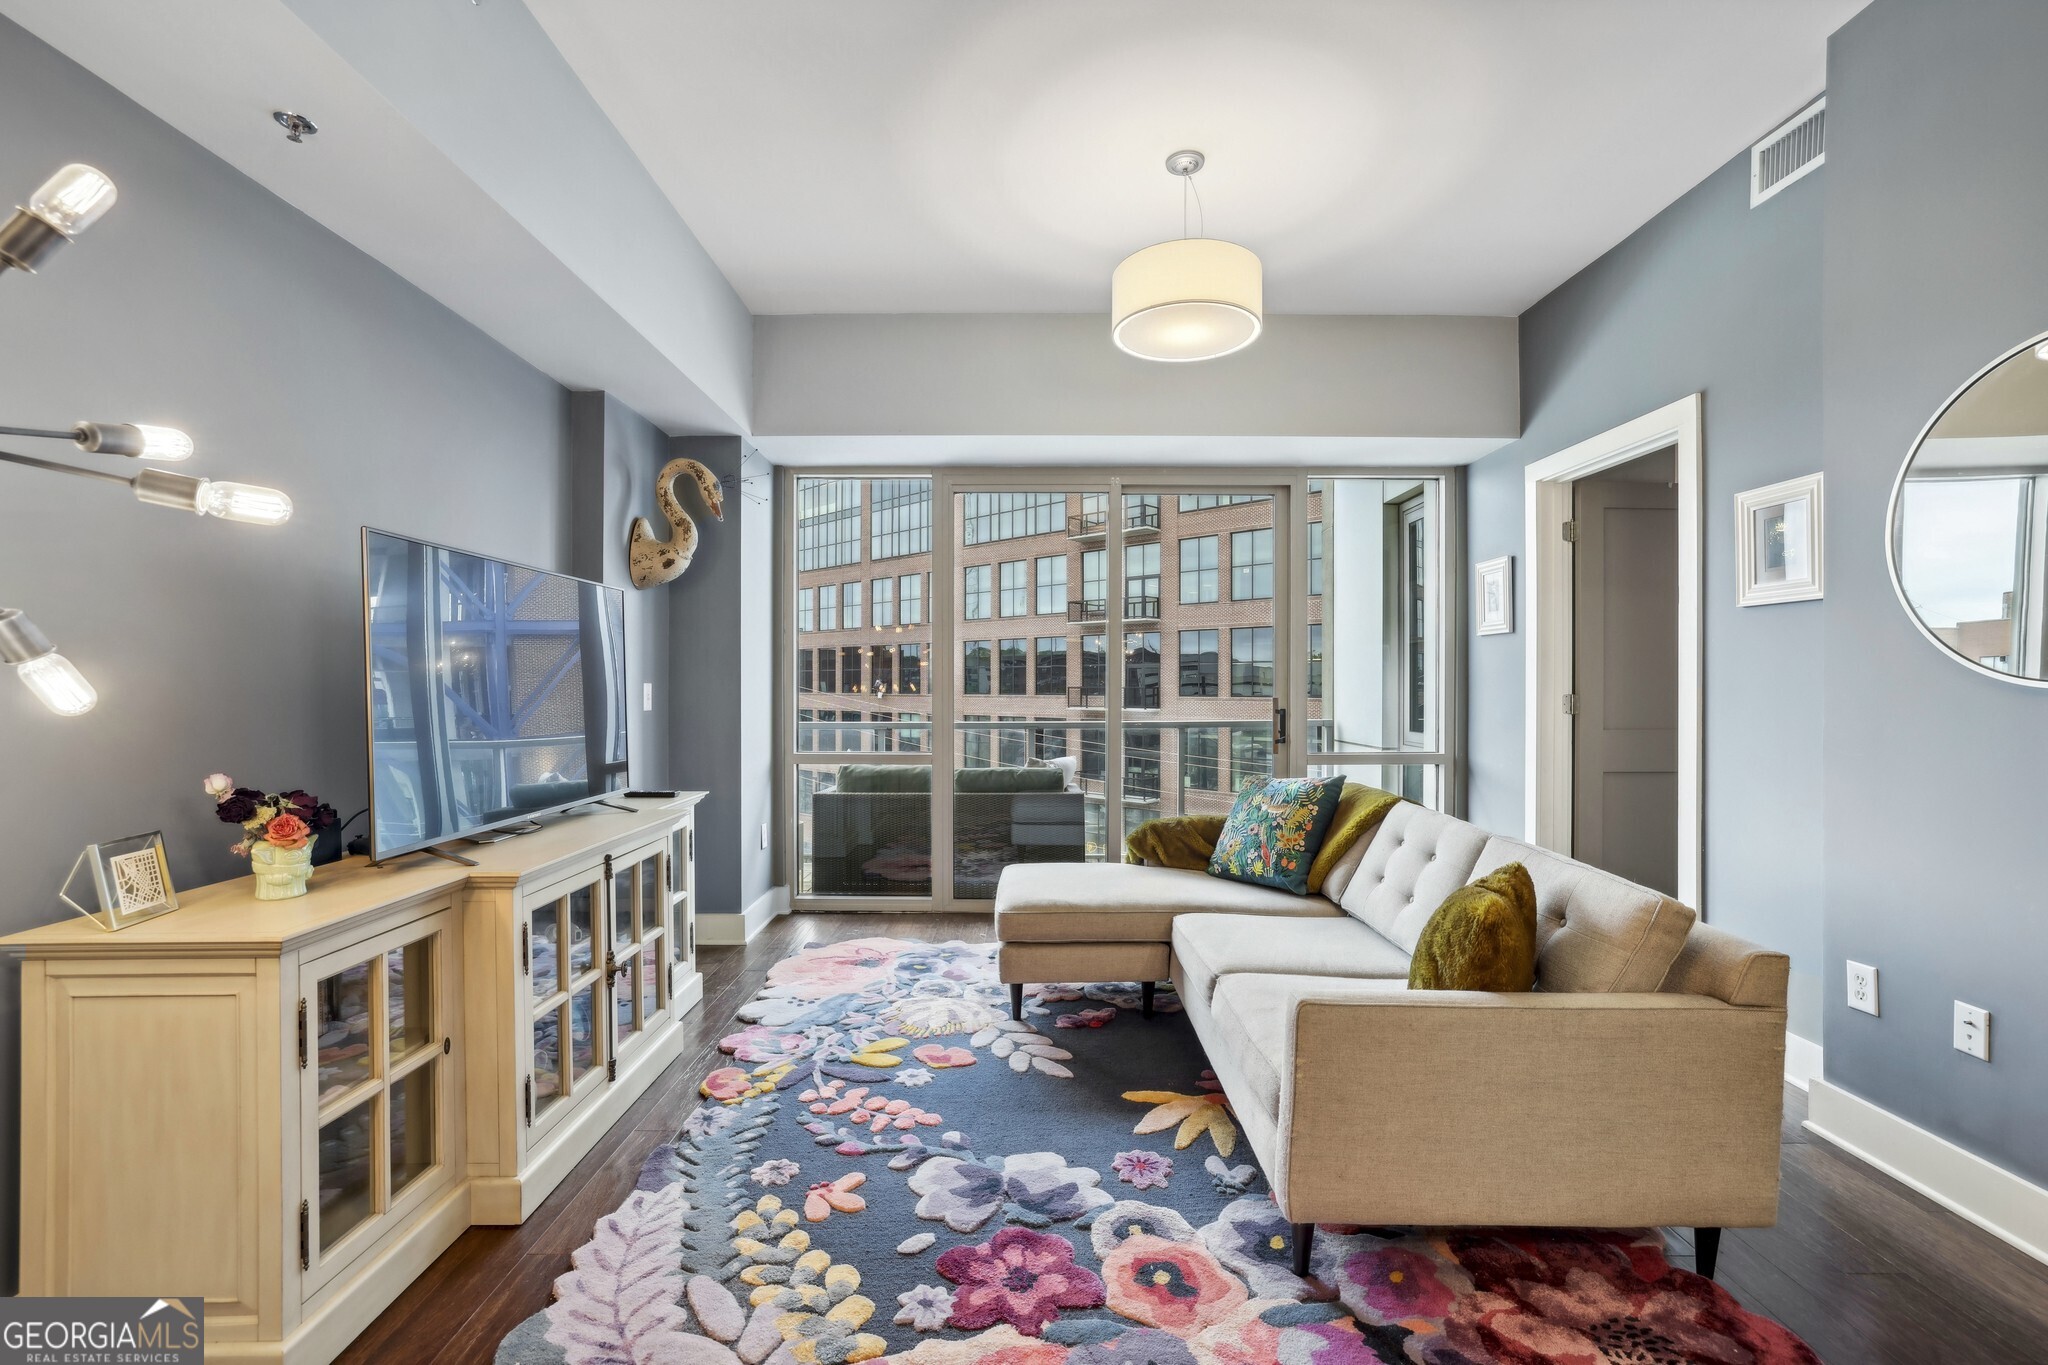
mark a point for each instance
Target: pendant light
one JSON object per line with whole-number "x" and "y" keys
{"x": 1192, "y": 299}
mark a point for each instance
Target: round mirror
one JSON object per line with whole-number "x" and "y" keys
{"x": 1969, "y": 521}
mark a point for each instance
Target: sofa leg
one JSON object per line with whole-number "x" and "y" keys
{"x": 1016, "y": 1000}
{"x": 1304, "y": 1233}
{"x": 1145, "y": 1005}
{"x": 1706, "y": 1246}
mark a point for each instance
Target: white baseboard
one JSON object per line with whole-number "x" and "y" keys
{"x": 730, "y": 931}
{"x": 1964, "y": 1183}
{"x": 1802, "y": 1060}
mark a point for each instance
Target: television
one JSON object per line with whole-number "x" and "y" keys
{"x": 496, "y": 692}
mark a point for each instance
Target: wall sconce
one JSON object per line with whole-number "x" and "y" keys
{"x": 54, "y": 679}
{"x": 244, "y": 502}
{"x": 65, "y": 205}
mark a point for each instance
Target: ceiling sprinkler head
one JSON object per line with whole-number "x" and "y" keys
{"x": 297, "y": 127}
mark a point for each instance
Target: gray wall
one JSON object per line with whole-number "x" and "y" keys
{"x": 1714, "y": 297}
{"x": 1042, "y": 374}
{"x": 615, "y": 454}
{"x": 721, "y": 669}
{"x": 1936, "y": 205}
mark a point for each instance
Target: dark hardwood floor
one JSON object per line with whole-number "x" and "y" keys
{"x": 1867, "y": 1271}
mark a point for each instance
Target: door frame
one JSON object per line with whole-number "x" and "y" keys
{"x": 1547, "y": 730}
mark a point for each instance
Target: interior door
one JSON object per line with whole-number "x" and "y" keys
{"x": 1625, "y": 680}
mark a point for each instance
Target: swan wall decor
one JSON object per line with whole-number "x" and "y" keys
{"x": 655, "y": 562}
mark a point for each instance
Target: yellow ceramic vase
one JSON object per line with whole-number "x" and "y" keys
{"x": 281, "y": 873}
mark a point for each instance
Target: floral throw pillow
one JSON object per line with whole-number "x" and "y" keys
{"x": 1274, "y": 831}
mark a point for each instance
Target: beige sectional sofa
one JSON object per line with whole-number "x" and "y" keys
{"x": 1639, "y": 1085}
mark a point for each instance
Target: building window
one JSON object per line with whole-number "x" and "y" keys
{"x": 881, "y": 737}
{"x": 883, "y": 593}
{"x": 974, "y": 597}
{"x": 1251, "y": 661}
{"x": 1052, "y": 665}
{"x": 827, "y": 523}
{"x": 1198, "y": 759}
{"x": 1141, "y": 669}
{"x": 1198, "y": 663}
{"x": 974, "y": 747}
{"x": 1315, "y": 659}
{"x": 806, "y": 737}
{"x": 849, "y": 607}
{"x": 803, "y": 610}
{"x": 1016, "y": 588}
{"x": 882, "y": 669}
{"x": 1094, "y": 754}
{"x": 989, "y": 517}
{"x": 1141, "y": 580}
{"x": 974, "y": 668}
{"x": 1202, "y": 502}
{"x": 1251, "y": 565}
{"x": 828, "y": 670}
{"x": 1094, "y": 666}
{"x": 1094, "y": 580}
{"x": 1251, "y": 757}
{"x": 1048, "y": 742}
{"x": 828, "y": 607}
{"x": 1141, "y": 765}
{"x": 1010, "y": 740}
{"x": 909, "y": 738}
{"x": 804, "y": 680}
{"x": 910, "y": 599}
{"x": 1198, "y": 569}
{"x": 1315, "y": 559}
{"x": 910, "y": 679}
{"x": 1012, "y": 668}
{"x": 849, "y": 668}
{"x": 1052, "y": 585}
{"x": 900, "y": 518}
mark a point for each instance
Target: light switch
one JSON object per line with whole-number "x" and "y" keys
{"x": 1973, "y": 1031}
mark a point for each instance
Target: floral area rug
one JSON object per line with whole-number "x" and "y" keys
{"x": 891, "y": 1168}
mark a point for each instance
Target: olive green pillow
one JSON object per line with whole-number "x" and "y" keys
{"x": 1183, "y": 841}
{"x": 1482, "y": 938}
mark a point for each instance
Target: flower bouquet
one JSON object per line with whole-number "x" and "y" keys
{"x": 278, "y": 831}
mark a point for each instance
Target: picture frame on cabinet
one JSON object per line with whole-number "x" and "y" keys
{"x": 1780, "y": 533}
{"x": 1493, "y": 596}
{"x": 131, "y": 881}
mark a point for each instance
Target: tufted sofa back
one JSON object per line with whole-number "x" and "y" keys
{"x": 1416, "y": 858}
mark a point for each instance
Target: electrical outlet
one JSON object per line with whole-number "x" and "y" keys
{"x": 1973, "y": 1031}
{"x": 1862, "y": 987}
{"x": 764, "y": 836}
{"x": 646, "y": 696}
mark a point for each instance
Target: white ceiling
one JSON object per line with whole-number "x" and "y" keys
{"x": 1382, "y": 156}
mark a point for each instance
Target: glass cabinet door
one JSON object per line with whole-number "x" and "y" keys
{"x": 373, "y": 1034}
{"x": 560, "y": 957}
{"x": 638, "y": 916}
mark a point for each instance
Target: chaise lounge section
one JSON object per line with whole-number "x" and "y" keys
{"x": 1639, "y": 1085}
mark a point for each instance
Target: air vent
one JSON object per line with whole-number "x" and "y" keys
{"x": 1791, "y": 150}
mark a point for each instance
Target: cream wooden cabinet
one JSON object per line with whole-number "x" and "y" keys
{"x": 293, "y": 1107}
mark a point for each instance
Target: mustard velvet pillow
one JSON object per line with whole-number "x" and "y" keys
{"x": 1184, "y": 841}
{"x": 1359, "y": 812}
{"x": 1482, "y": 938}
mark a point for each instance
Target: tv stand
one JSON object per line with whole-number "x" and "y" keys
{"x": 499, "y": 836}
{"x": 615, "y": 806}
{"x": 472, "y": 1033}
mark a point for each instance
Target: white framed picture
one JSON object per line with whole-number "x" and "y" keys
{"x": 1780, "y": 543}
{"x": 1493, "y": 595}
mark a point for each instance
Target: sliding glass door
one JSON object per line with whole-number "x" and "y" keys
{"x": 997, "y": 668}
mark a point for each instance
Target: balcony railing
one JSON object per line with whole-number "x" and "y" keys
{"x": 1141, "y": 522}
{"x": 1095, "y": 696}
{"x": 1095, "y": 609}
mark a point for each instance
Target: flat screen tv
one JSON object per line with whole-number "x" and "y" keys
{"x": 497, "y": 693}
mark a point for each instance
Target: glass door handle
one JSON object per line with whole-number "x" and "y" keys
{"x": 1279, "y": 726}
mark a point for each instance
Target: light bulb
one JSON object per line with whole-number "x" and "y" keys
{"x": 164, "y": 443}
{"x": 73, "y": 199}
{"x": 244, "y": 502}
{"x": 58, "y": 684}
